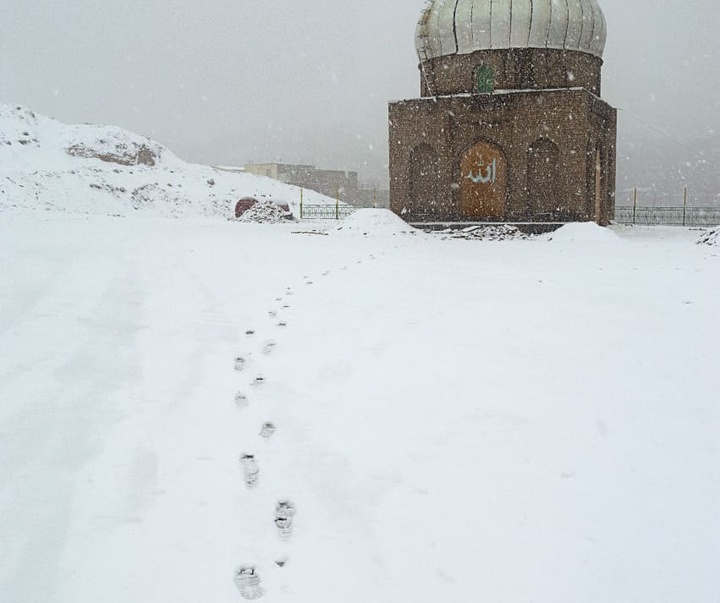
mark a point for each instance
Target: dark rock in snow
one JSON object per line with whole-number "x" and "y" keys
{"x": 711, "y": 237}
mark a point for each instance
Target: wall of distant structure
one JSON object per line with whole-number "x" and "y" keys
{"x": 336, "y": 184}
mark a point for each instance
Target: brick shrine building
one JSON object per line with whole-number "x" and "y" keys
{"x": 510, "y": 126}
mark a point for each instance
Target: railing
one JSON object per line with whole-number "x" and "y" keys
{"x": 326, "y": 212}
{"x": 641, "y": 216}
{"x": 668, "y": 216}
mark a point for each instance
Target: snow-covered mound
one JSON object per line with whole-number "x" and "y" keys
{"x": 375, "y": 222}
{"x": 47, "y": 165}
{"x": 583, "y": 232}
{"x": 265, "y": 212}
{"x": 711, "y": 237}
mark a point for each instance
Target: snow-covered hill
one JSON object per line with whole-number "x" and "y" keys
{"x": 105, "y": 170}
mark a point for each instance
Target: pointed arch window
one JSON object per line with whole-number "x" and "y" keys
{"x": 424, "y": 183}
{"x": 545, "y": 182}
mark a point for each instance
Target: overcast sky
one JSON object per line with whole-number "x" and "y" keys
{"x": 231, "y": 81}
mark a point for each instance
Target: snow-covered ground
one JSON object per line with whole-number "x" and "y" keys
{"x": 49, "y": 166}
{"x": 453, "y": 420}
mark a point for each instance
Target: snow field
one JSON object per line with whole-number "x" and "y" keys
{"x": 451, "y": 420}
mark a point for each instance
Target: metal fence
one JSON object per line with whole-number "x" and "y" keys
{"x": 641, "y": 216}
{"x": 668, "y": 216}
{"x": 326, "y": 212}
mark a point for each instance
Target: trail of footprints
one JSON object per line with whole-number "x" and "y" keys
{"x": 247, "y": 579}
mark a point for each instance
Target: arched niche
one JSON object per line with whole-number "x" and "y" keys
{"x": 483, "y": 183}
{"x": 424, "y": 176}
{"x": 545, "y": 190}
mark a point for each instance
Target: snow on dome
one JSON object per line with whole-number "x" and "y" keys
{"x": 449, "y": 27}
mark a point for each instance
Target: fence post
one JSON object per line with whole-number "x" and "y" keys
{"x": 685, "y": 206}
{"x": 634, "y": 205}
{"x": 337, "y": 205}
{"x": 301, "y": 203}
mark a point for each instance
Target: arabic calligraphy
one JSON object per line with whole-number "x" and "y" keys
{"x": 489, "y": 177}
{"x": 483, "y": 178}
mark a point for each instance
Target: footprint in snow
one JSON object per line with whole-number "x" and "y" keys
{"x": 249, "y": 332}
{"x": 272, "y": 313}
{"x": 251, "y": 471}
{"x": 240, "y": 363}
{"x": 241, "y": 400}
{"x": 259, "y": 380}
{"x": 284, "y": 517}
{"x": 326, "y": 273}
{"x": 281, "y": 562}
{"x": 282, "y": 323}
{"x": 267, "y": 431}
{"x": 248, "y": 582}
{"x": 269, "y": 347}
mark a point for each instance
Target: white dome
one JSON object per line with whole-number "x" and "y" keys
{"x": 449, "y": 27}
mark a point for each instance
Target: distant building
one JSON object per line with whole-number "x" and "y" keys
{"x": 336, "y": 184}
{"x": 510, "y": 126}
{"x": 332, "y": 183}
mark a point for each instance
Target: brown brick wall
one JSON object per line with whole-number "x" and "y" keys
{"x": 514, "y": 69}
{"x": 573, "y": 124}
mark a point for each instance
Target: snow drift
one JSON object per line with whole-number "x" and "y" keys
{"x": 583, "y": 232}
{"x": 373, "y": 223}
{"x": 47, "y": 165}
